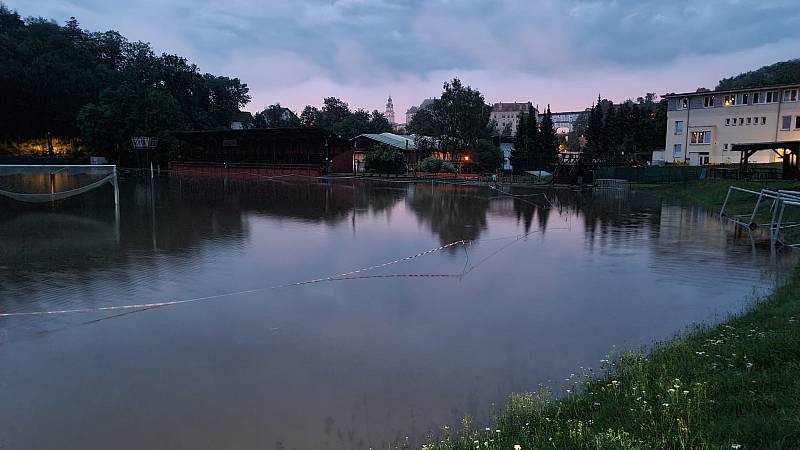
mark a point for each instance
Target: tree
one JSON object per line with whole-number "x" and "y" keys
{"x": 337, "y": 118}
{"x": 378, "y": 123}
{"x": 488, "y": 157}
{"x": 386, "y": 159}
{"x": 100, "y": 87}
{"x": 334, "y": 111}
{"x": 310, "y": 117}
{"x": 435, "y": 165}
{"x": 423, "y": 123}
{"x": 784, "y": 72}
{"x": 594, "y": 129}
{"x": 548, "y": 142}
{"x": 610, "y": 133}
{"x": 9, "y": 20}
{"x": 460, "y": 117}
{"x": 519, "y": 154}
{"x": 533, "y": 144}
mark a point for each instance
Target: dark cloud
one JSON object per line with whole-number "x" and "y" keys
{"x": 299, "y": 47}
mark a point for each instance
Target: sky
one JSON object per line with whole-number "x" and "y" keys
{"x": 557, "y": 52}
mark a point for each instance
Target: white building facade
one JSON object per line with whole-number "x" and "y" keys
{"x": 705, "y": 127}
{"x": 507, "y": 115}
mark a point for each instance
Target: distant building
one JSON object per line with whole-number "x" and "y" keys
{"x": 389, "y": 113}
{"x": 427, "y": 103}
{"x": 733, "y": 126}
{"x": 241, "y": 120}
{"x": 507, "y": 114}
{"x": 564, "y": 122}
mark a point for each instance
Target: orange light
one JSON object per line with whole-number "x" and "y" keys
{"x": 466, "y": 158}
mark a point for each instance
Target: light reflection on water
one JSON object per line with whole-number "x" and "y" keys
{"x": 347, "y": 364}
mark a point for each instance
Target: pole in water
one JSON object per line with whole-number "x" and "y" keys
{"x": 52, "y": 189}
{"x": 151, "y": 169}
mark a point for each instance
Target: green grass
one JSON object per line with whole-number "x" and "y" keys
{"x": 712, "y": 193}
{"x": 736, "y": 385}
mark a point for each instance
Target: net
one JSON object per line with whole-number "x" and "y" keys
{"x": 144, "y": 142}
{"x": 40, "y": 184}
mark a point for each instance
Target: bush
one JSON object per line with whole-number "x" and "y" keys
{"x": 488, "y": 157}
{"x": 386, "y": 159}
{"x": 435, "y": 165}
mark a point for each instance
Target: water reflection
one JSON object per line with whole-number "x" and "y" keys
{"x": 353, "y": 364}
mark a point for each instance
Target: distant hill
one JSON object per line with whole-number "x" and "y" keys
{"x": 779, "y": 73}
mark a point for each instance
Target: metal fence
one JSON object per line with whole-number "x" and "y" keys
{"x": 663, "y": 174}
{"x": 672, "y": 174}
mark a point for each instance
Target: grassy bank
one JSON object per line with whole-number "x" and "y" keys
{"x": 712, "y": 193}
{"x": 734, "y": 386}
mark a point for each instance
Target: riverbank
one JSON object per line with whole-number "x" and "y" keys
{"x": 733, "y": 386}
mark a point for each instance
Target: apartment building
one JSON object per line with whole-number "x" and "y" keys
{"x": 507, "y": 114}
{"x": 714, "y": 127}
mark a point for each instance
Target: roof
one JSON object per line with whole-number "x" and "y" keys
{"x": 725, "y": 91}
{"x": 401, "y": 141}
{"x": 427, "y": 103}
{"x": 242, "y": 116}
{"x": 267, "y": 133}
{"x": 770, "y": 145}
{"x": 510, "y": 107}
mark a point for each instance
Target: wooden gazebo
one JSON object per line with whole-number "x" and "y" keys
{"x": 787, "y": 150}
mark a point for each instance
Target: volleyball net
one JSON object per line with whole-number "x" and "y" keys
{"x": 49, "y": 183}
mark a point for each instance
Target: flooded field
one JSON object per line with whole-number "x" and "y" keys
{"x": 539, "y": 287}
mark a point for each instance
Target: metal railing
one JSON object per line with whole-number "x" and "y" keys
{"x": 778, "y": 201}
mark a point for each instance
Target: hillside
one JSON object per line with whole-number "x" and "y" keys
{"x": 779, "y": 73}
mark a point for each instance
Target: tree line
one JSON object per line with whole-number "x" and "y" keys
{"x": 535, "y": 144}
{"x": 101, "y": 87}
{"x": 622, "y": 132}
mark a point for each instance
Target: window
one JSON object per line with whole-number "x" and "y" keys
{"x": 734, "y": 122}
{"x": 745, "y": 98}
{"x": 786, "y": 122}
{"x": 684, "y": 103}
{"x": 677, "y": 151}
{"x": 701, "y": 137}
{"x": 772, "y": 96}
{"x": 757, "y": 97}
{"x": 708, "y": 101}
{"x": 749, "y": 121}
{"x": 797, "y": 122}
{"x": 790, "y": 95}
{"x": 741, "y": 121}
{"x": 755, "y": 120}
{"x": 729, "y": 100}
{"x": 678, "y": 127}
{"x": 727, "y": 121}
{"x": 725, "y": 147}
{"x": 763, "y": 120}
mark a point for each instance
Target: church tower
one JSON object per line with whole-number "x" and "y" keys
{"x": 389, "y": 111}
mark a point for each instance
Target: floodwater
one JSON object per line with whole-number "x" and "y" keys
{"x": 386, "y": 356}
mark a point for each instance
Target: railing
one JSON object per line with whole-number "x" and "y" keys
{"x": 780, "y": 199}
{"x": 214, "y": 168}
